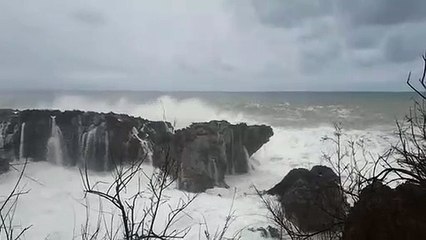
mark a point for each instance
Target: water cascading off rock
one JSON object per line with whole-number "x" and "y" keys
{"x": 206, "y": 152}
{"x": 22, "y": 142}
{"x": 70, "y": 138}
{"x": 55, "y": 144}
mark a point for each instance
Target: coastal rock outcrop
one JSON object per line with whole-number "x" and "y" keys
{"x": 311, "y": 199}
{"x": 384, "y": 213}
{"x": 205, "y": 152}
{"x": 201, "y": 154}
{"x": 95, "y": 140}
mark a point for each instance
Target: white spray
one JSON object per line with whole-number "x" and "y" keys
{"x": 216, "y": 172}
{"x": 55, "y": 153}
{"x": 21, "y": 145}
{"x": 106, "y": 157}
{"x": 89, "y": 144}
{"x": 144, "y": 144}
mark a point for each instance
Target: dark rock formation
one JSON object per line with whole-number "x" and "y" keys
{"x": 9, "y": 134}
{"x": 205, "y": 152}
{"x": 201, "y": 154}
{"x": 4, "y": 165}
{"x": 96, "y": 140}
{"x": 384, "y": 213}
{"x": 312, "y": 200}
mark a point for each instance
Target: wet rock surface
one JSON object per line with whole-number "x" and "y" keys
{"x": 385, "y": 213}
{"x": 206, "y": 152}
{"x": 311, "y": 199}
{"x": 95, "y": 140}
{"x": 4, "y": 165}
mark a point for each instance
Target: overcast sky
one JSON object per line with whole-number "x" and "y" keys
{"x": 231, "y": 45}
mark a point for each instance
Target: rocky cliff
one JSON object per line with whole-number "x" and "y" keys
{"x": 203, "y": 152}
{"x": 95, "y": 140}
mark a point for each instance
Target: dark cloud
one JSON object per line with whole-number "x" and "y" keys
{"x": 383, "y": 12}
{"x": 367, "y": 37}
{"x": 89, "y": 17}
{"x": 317, "y": 57}
{"x": 405, "y": 44}
{"x": 396, "y": 49}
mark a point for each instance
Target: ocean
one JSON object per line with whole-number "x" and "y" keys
{"x": 299, "y": 119}
{"x": 355, "y": 110}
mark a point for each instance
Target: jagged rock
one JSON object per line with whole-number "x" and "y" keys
{"x": 205, "y": 152}
{"x": 200, "y": 152}
{"x": 95, "y": 140}
{"x": 312, "y": 200}
{"x": 9, "y": 140}
{"x": 384, "y": 213}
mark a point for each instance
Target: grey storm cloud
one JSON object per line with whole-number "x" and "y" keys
{"x": 366, "y": 37}
{"x": 89, "y": 17}
{"x": 210, "y": 45}
{"x": 406, "y": 43}
{"x": 383, "y": 12}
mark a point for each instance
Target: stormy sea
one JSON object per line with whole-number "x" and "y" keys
{"x": 56, "y": 208}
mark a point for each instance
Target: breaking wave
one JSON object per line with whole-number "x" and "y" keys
{"x": 180, "y": 112}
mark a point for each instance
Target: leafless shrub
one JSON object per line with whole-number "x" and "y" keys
{"x": 421, "y": 89}
{"x": 139, "y": 213}
{"x": 219, "y": 233}
{"x": 353, "y": 163}
{"x": 276, "y": 216}
{"x": 288, "y": 230}
{"x": 410, "y": 151}
{"x": 8, "y": 229}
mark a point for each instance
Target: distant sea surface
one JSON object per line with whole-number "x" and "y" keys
{"x": 355, "y": 110}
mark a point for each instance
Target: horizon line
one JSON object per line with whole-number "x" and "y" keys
{"x": 206, "y": 91}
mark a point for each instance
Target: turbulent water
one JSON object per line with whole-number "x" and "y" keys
{"x": 299, "y": 120}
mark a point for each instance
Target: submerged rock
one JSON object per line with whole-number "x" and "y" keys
{"x": 384, "y": 213}
{"x": 312, "y": 200}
